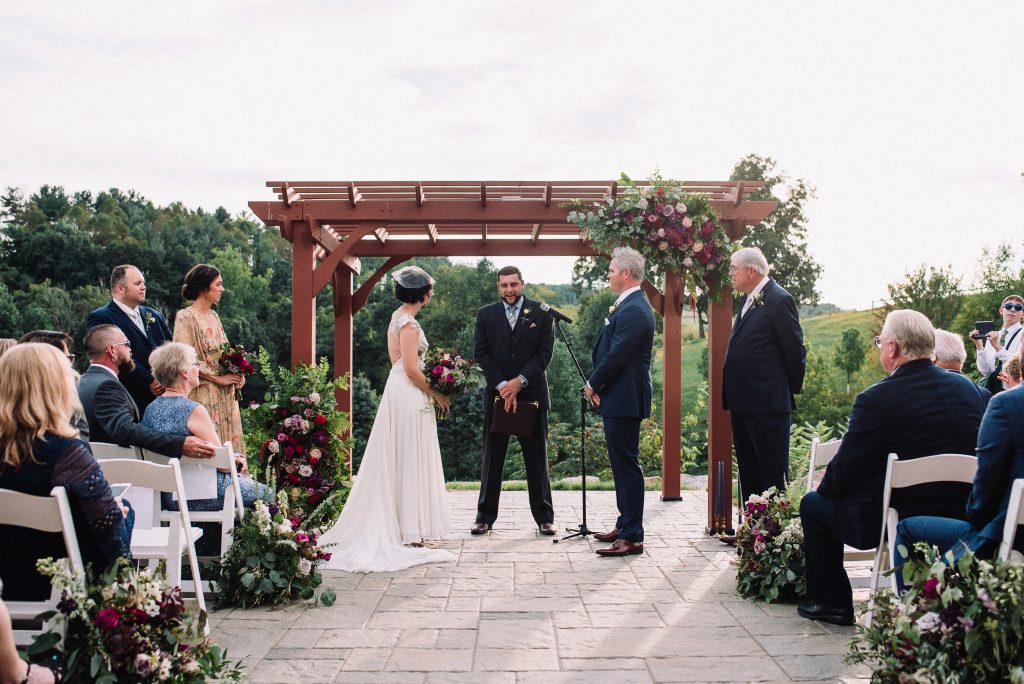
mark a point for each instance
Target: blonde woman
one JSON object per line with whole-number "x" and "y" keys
{"x": 6, "y": 343}
{"x": 199, "y": 326}
{"x": 38, "y": 451}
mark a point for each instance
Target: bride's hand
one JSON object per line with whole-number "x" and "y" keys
{"x": 442, "y": 401}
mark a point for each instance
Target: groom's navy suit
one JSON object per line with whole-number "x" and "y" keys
{"x": 505, "y": 353}
{"x": 142, "y": 344}
{"x": 764, "y": 368}
{"x": 622, "y": 379}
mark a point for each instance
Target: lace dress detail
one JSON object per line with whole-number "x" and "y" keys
{"x": 399, "y": 495}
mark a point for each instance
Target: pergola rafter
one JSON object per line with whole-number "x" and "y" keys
{"x": 332, "y": 223}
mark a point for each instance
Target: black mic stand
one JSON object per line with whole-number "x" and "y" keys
{"x": 582, "y": 530}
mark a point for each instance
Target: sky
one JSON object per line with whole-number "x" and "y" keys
{"x": 907, "y": 117}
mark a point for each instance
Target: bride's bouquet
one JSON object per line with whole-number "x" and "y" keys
{"x": 450, "y": 373}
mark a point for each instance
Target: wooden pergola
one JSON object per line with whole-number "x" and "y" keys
{"x": 331, "y": 224}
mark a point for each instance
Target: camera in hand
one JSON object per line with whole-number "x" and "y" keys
{"x": 983, "y": 328}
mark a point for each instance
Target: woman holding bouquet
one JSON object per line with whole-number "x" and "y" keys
{"x": 199, "y": 326}
{"x": 398, "y": 498}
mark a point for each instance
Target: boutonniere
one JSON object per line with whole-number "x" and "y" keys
{"x": 756, "y": 300}
{"x": 149, "y": 318}
{"x": 611, "y": 309}
{"x": 526, "y": 311}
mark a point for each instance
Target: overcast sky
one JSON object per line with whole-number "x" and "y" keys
{"x": 907, "y": 117}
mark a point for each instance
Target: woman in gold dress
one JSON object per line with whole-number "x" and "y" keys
{"x": 199, "y": 326}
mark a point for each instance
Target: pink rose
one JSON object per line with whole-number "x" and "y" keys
{"x": 107, "y": 618}
{"x": 436, "y": 370}
{"x": 449, "y": 378}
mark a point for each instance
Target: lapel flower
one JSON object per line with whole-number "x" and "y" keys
{"x": 149, "y": 318}
{"x": 611, "y": 309}
{"x": 526, "y": 311}
{"x": 757, "y": 300}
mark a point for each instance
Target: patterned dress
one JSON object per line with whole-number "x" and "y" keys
{"x": 219, "y": 400}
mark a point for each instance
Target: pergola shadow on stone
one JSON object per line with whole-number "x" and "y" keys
{"x": 331, "y": 224}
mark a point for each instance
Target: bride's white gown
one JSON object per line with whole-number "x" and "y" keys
{"x": 398, "y": 496}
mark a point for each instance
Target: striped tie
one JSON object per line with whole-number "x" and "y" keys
{"x": 511, "y": 316}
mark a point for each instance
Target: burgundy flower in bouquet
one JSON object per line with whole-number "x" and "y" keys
{"x": 450, "y": 373}
{"x": 236, "y": 360}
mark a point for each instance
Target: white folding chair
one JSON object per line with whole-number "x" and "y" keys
{"x": 916, "y": 471}
{"x": 169, "y": 543}
{"x": 1014, "y": 517}
{"x": 223, "y": 459}
{"x": 105, "y": 450}
{"x": 46, "y": 514}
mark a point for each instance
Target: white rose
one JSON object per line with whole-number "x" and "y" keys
{"x": 688, "y": 262}
{"x": 273, "y": 447}
{"x": 305, "y": 471}
{"x": 698, "y": 246}
{"x": 305, "y": 566}
{"x": 315, "y": 398}
{"x": 929, "y": 622}
{"x": 661, "y": 232}
{"x": 642, "y": 204}
{"x": 681, "y": 209}
{"x": 687, "y": 222}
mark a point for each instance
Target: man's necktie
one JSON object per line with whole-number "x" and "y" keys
{"x": 511, "y": 316}
{"x": 1002, "y": 339}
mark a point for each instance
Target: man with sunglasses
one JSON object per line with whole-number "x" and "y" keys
{"x": 996, "y": 348}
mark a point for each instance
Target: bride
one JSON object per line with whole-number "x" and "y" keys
{"x": 398, "y": 498}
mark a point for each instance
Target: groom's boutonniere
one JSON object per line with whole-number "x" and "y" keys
{"x": 149, "y": 318}
{"x": 526, "y": 311}
{"x": 757, "y": 300}
{"x": 611, "y": 309}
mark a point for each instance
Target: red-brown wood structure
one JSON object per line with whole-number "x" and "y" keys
{"x": 331, "y": 224}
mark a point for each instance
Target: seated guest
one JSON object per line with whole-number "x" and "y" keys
{"x": 13, "y": 669}
{"x": 6, "y": 343}
{"x": 1011, "y": 373}
{"x": 175, "y": 367}
{"x": 38, "y": 451}
{"x": 65, "y": 343}
{"x": 950, "y": 354}
{"x": 1000, "y": 462}
{"x": 111, "y": 411}
{"x": 919, "y": 410}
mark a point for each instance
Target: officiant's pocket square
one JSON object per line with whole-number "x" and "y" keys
{"x": 533, "y": 325}
{"x": 607, "y": 322}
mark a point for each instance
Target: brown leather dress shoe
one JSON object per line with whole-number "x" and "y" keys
{"x": 549, "y": 529}
{"x": 607, "y": 536}
{"x": 622, "y": 547}
{"x": 479, "y": 528}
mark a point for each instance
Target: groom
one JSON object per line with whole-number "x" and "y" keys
{"x": 513, "y": 343}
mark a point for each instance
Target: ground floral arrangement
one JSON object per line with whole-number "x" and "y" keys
{"x": 296, "y": 431}
{"x": 128, "y": 627}
{"x": 770, "y": 549}
{"x": 674, "y": 230}
{"x": 271, "y": 560}
{"x": 961, "y": 620}
{"x": 451, "y": 374}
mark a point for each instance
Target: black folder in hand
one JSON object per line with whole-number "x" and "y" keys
{"x": 522, "y": 423}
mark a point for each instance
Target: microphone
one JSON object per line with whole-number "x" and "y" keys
{"x": 555, "y": 312}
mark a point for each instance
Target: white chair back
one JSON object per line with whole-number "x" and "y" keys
{"x": 161, "y": 543}
{"x": 822, "y": 454}
{"x": 1014, "y": 518}
{"x": 47, "y": 514}
{"x": 105, "y": 450}
{"x": 909, "y": 473}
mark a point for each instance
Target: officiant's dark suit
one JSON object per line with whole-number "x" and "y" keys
{"x": 764, "y": 368}
{"x": 508, "y": 353}
{"x": 157, "y": 332}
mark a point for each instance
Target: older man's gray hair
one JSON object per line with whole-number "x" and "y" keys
{"x": 912, "y": 332}
{"x": 630, "y": 260}
{"x": 751, "y": 257}
{"x": 949, "y": 350}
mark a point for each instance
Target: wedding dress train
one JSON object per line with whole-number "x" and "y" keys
{"x": 398, "y": 496}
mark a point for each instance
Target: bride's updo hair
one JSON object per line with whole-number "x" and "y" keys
{"x": 412, "y": 295}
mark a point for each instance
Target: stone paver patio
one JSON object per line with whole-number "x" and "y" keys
{"x": 517, "y": 608}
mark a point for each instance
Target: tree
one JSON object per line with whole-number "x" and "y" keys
{"x": 933, "y": 291}
{"x": 783, "y": 235}
{"x": 849, "y": 354}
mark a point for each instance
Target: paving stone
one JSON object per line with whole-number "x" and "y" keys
{"x": 603, "y": 664}
{"x": 809, "y": 645}
{"x": 737, "y": 668}
{"x": 471, "y": 678}
{"x": 622, "y": 642}
{"x": 456, "y": 638}
{"x": 299, "y": 638}
{"x": 421, "y": 620}
{"x": 520, "y": 605}
{"x": 358, "y": 638}
{"x": 515, "y": 659}
{"x": 430, "y": 660}
{"x": 516, "y": 634}
{"x": 829, "y": 667}
{"x": 417, "y": 638}
{"x": 584, "y": 677}
{"x": 345, "y": 677}
{"x": 278, "y": 671}
{"x": 367, "y": 659}
{"x": 290, "y": 653}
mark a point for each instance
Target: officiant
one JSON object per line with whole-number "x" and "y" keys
{"x": 513, "y": 343}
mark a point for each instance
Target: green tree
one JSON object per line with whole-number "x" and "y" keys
{"x": 934, "y": 291}
{"x": 849, "y": 354}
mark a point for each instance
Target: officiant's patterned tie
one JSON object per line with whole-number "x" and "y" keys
{"x": 511, "y": 316}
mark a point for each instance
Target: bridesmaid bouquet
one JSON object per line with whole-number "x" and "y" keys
{"x": 450, "y": 373}
{"x": 236, "y": 360}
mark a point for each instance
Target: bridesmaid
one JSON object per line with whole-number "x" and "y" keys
{"x": 199, "y": 326}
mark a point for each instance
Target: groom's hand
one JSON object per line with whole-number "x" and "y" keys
{"x": 510, "y": 389}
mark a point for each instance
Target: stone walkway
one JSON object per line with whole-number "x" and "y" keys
{"x": 518, "y": 608}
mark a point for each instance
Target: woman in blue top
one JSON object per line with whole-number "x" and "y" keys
{"x": 175, "y": 366}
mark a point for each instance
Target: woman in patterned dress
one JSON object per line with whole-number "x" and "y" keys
{"x": 199, "y": 326}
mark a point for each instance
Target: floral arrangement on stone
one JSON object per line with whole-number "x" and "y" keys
{"x": 674, "y": 230}
{"x": 770, "y": 549}
{"x": 961, "y": 620}
{"x": 451, "y": 373}
{"x": 297, "y": 433}
{"x": 271, "y": 560}
{"x": 129, "y": 627}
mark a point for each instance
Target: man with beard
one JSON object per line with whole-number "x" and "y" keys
{"x": 112, "y": 413}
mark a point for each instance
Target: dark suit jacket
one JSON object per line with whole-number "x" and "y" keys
{"x": 622, "y": 360}
{"x": 113, "y": 416}
{"x": 506, "y": 353}
{"x": 137, "y": 382}
{"x": 764, "y": 366}
{"x": 985, "y": 395}
{"x": 919, "y": 410}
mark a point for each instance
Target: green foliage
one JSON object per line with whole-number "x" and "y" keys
{"x": 270, "y": 560}
{"x": 961, "y": 620}
{"x": 821, "y": 400}
{"x": 364, "y": 410}
{"x": 849, "y": 355}
{"x": 933, "y": 291}
{"x": 770, "y": 548}
{"x": 564, "y": 451}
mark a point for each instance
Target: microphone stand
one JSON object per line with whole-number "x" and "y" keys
{"x": 582, "y": 530}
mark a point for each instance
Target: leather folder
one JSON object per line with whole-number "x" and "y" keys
{"x": 522, "y": 423}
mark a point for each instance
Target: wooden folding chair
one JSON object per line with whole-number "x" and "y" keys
{"x": 1014, "y": 518}
{"x": 900, "y": 474}
{"x": 47, "y": 514}
{"x": 105, "y": 450}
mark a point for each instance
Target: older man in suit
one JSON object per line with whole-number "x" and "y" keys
{"x": 513, "y": 343}
{"x": 919, "y": 410}
{"x": 112, "y": 414}
{"x": 764, "y": 368}
{"x": 145, "y": 328}
{"x": 620, "y": 386}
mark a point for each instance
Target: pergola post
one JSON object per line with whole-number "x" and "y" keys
{"x": 341, "y": 286}
{"x": 303, "y": 295}
{"x": 671, "y": 396}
